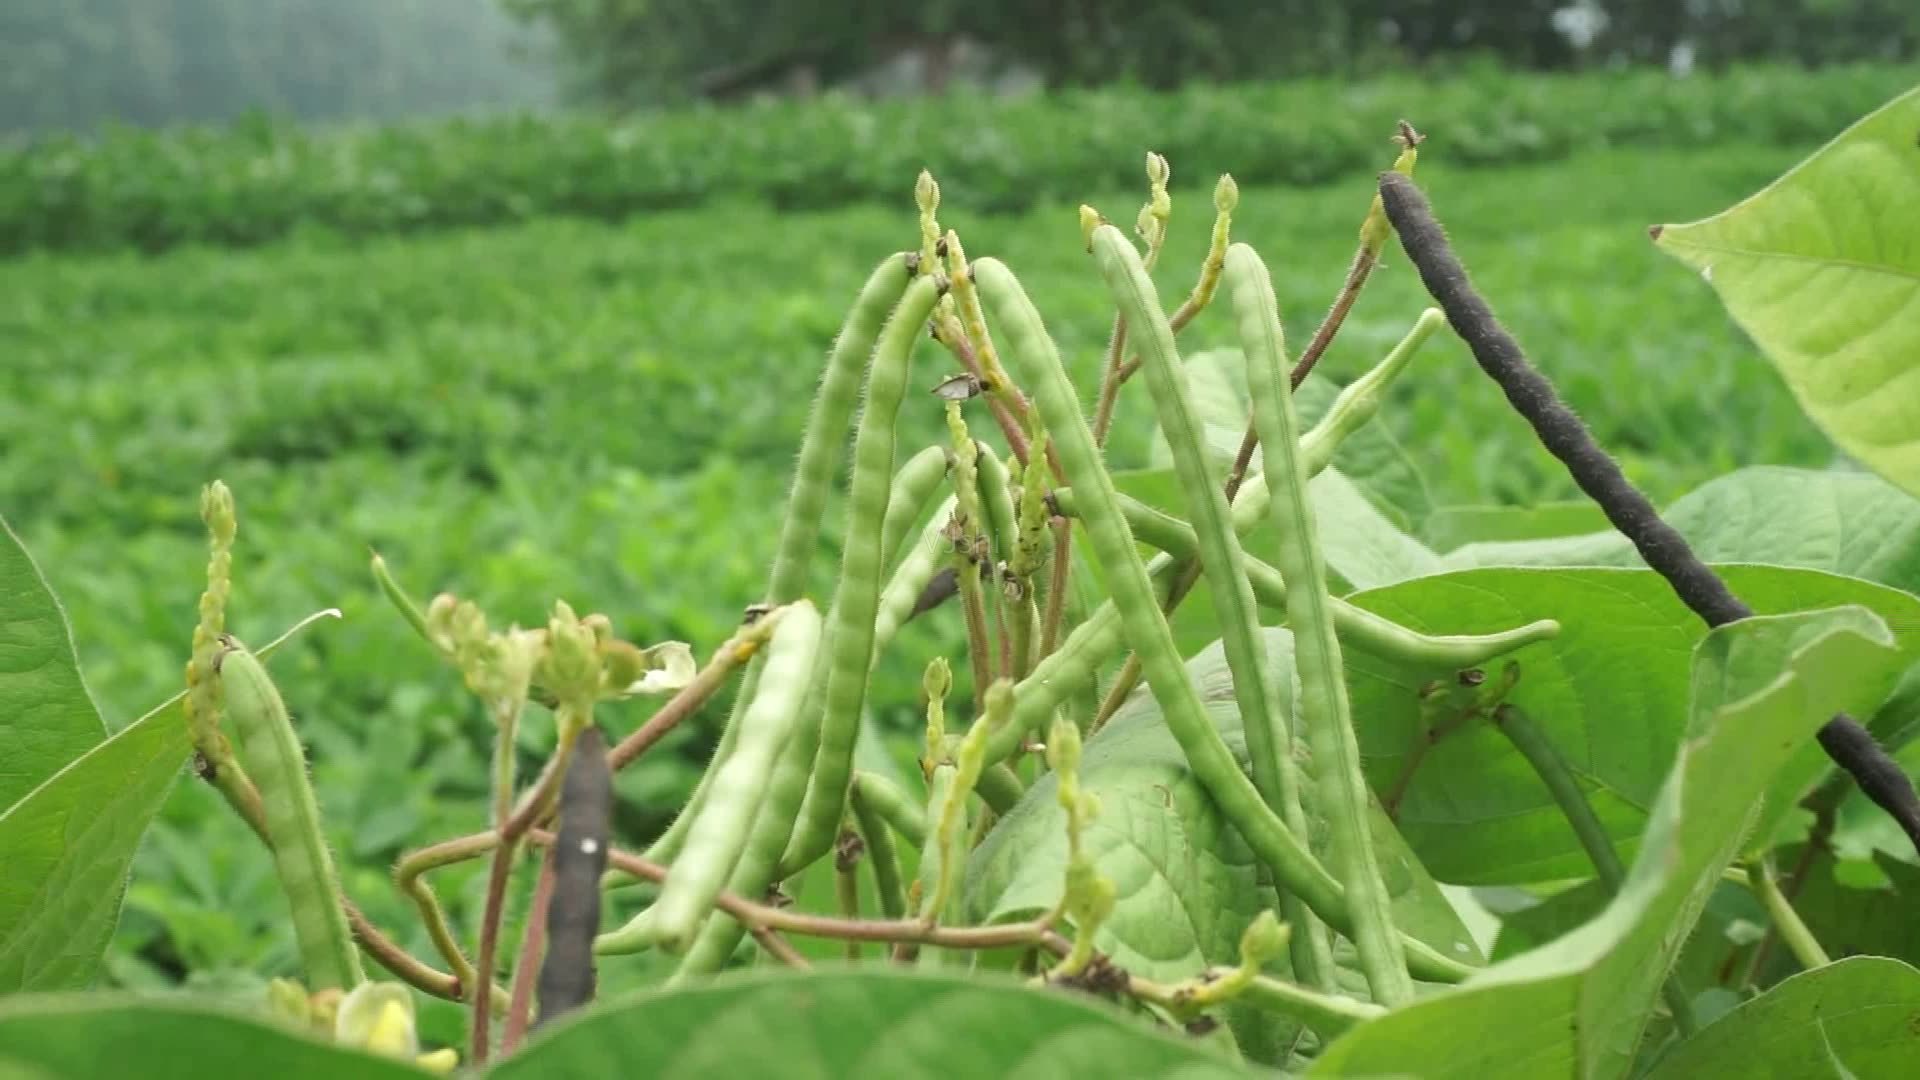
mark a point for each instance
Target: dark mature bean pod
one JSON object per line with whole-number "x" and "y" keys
{"x": 1565, "y": 436}
{"x": 579, "y": 858}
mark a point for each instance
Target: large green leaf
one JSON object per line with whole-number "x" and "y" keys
{"x": 46, "y": 716}
{"x": 1858, "y": 1012}
{"x": 1848, "y": 522}
{"x": 67, "y": 846}
{"x": 1187, "y": 884}
{"x": 65, "y": 1037}
{"x": 1822, "y": 269}
{"x": 1610, "y": 691}
{"x": 877, "y": 1021}
{"x": 1577, "y": 1008}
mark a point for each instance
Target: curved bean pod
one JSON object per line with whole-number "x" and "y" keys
{"x": 1323, "y": 705}
{"x": 858, "y": 594}
{"x": 1146, "y": 628}
{"x": 718, "y": 835}
{"x": 882, "y": 854}
{"x": 894, "y": 806}
{"x": 759, "y": 863}
{"x": 1269, "y": 742}
{"x": 270, "y": 752}
{"x": 922, "y": 475}
{"x": 930, "y": 551}
{"x": 1370, "y": 633}
{"x": 996, "y": 500}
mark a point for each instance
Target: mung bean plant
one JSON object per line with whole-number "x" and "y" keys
{"x": 1228, "y": 775}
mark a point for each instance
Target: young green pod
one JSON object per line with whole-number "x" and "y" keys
{"x": 1269, "y": 743}
{"x": 1145, "y": 626}
{"x": 1322, "y": 703}
{"x": 271, "y": 753}
{"x": 719, "y": 834}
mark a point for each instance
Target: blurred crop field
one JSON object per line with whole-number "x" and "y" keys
{"x": 607, "y": 412}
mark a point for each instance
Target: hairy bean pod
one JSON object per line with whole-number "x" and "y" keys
{"x": 1323, "y": 705}
{"x": 1269, "y": 741}
{"x": 922, "y": 475}
{"x": 924, "y": 558}
{"x": 270, "y": 752}
{"x": 834, "y": 402}
{"x": 858, "y": 595}
{"x": 1146, "y": 629}
{"x": 720, "y": 832}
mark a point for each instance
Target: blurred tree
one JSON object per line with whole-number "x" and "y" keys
{"x": 77, "y": 63}
{"x": 634, "y": 52}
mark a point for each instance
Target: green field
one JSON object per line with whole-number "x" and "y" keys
{"x": 606, "y": 414}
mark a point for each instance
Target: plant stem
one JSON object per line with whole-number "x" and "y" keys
{"x": 526, "y": 966}
{"x": 1786, "y": 921}
{"x": 687, "y": 700}
{"x": 916, "y": 931}
{"x": 1564, "y": 435}
{"x": 846, "y": 882}
{"x": 1057, "y": 584}
{"x": 1539, "y": 751}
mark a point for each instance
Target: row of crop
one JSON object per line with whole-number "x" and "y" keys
{"x": 260, "y": 180}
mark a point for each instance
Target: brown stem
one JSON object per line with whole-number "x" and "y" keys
{"x": 1110, "y": 382}
{"x": 687, "y": 701}
{"x": 1057, "y": 582}
{"x": 979, "y": 645}
{"x": 526, "y": 966}
{"x": 538, "y": 802}
{"x": 751, "y": 915}
{"x": 1364, "y": 261}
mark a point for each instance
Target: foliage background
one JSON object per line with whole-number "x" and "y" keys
{"x": 529, "y": 353}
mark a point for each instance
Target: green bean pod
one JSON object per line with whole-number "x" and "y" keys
{"x": 1146, "y": 629}
{"x": 834, "y": 402}
{"x": 894, "y": 806}
{"x": 1360, "y": 629}
{"x": 1323, "y": 706}
{"x": 719, "y": 834}
{"x": 996, "y": 501}
{"x": 759, "y": 863}
{"x": 270, "y": 752}
{"x": 850, "y": 640}
{"x": 882, "y": 854}
{"x": 922, "y": 475}
{"x": 1269, "y": 741}
{"x": 833, "y": 407}
{"x": 929, "y": 552}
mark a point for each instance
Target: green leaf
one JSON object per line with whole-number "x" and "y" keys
{"x": 1696, "y": 968}
{"x": 1861, "y": 1007}
{"x": 1611, "y": 691}
{"x": 1452, "y": 527}
{"x": 83, "y": 1038}
{"x": 872, "y": 1021}
{"x": 67, "y": 847}
{"x": 1578, "y": 1007}
{"x": 1849, "y": 522}
{"x": 46, "y": 716}
{"x": 1822, "y": 269}
{"x": 1187, "y": 884}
